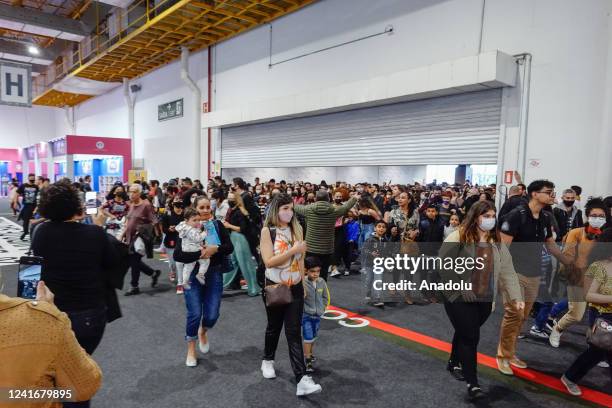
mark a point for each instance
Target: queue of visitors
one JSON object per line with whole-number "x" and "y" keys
{"x": 283, "y": 240}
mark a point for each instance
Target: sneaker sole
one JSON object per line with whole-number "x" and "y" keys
{"x": 310, "y": 393}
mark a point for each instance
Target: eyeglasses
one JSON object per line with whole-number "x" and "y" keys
{"x": 549, "y": 193}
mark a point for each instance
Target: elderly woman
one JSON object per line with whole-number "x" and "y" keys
{"x": 140, "y": 221}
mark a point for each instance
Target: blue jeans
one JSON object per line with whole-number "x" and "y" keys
{"x": 203, "y": 302}
{"x": 548, "y": 309}
{"x": 365, "y": 233}
{"x": 310, "y": 327}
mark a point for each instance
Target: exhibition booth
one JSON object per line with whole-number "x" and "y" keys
{"x": 10, "y": 167}
{"x": 106, "y": 159}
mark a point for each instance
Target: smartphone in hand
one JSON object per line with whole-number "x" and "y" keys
{"x": 30, "y": 268}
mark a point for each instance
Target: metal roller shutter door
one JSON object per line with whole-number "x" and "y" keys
{"x": 454, "y": 129}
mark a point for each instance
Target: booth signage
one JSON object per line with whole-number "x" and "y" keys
{"x": 170, "y": 110}
{"x": 15, "y": 84}
{"x": 134, "y": 175}
{"x": 58, "y": 148}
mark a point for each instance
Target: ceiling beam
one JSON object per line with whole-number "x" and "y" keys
{"x": 37, "y": 22}
{"x": 18, "y": 51}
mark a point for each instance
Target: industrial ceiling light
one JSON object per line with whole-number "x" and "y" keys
{"x": 32, "y": 49}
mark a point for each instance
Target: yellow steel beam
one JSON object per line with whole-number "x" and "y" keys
{"x": 188, "y": 22}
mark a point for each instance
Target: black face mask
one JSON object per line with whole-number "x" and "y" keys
{"x": 568, "y": 203}
{"x": 338, "y": 200}
{"x": 231, "y": 203}
{"x": 32, "y": 181}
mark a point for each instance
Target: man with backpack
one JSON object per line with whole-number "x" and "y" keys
{"x": 526, "y": 229}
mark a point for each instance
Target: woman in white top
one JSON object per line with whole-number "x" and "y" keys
{"x": 282, "y": 250}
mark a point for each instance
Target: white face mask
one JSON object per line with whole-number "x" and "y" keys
{"x": 487, "y": 224}
{"x": 597, "y": 222}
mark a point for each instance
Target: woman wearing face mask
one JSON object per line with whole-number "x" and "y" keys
{"x": 578, "y": 245}
{"x": 283, "y": 257}
{"x": 115, "y": 208}
{"x": 204, "y": 301}
{"x": 237, "y": 222}
{"x": 469, "y": 309}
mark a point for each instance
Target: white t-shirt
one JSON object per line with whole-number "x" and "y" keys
{"x": 291, "y": 269}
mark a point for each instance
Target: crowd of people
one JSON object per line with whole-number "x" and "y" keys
{"x": 284, "y": 240}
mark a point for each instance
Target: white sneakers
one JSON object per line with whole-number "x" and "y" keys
{"x": 307, "y": 386}
{"x": 191, "y": 362}
{"x": 334, "y": 273}
{"x": 204, "y": 347}
{"x": 571, "y": 387}
{"x": 555, "y": 337}
{"x": 267, "y": 369}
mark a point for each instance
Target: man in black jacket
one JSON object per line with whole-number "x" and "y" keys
{"x": 566, "y": 213}
{"x": 515, "y": 199}
{"x": 431, "y": 231}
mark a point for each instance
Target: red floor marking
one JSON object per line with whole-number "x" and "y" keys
{"x": 537, "y": 377}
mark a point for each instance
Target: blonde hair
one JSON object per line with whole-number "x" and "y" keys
{"x": 272, "y": 219}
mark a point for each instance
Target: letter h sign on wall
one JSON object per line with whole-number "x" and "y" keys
{"x": 15, "y": 84}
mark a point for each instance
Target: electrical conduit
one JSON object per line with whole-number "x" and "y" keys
{"x": 197, "y": 126}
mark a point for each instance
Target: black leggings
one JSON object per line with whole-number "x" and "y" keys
{"x": 467, "y": 318}
{"x": 291, "y": 316}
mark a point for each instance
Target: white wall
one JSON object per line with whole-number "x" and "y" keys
{"x": 571, "y": 44}
{"x": 21, "y": 127}
{"x": 167, "y": 147}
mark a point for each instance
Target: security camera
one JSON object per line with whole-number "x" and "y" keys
{"x": 135, "y": 88}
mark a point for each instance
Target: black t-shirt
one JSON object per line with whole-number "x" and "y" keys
{"x": 28, "y": 192}
{"x": 77, "y": 260}
{"x": 528, "y": 234}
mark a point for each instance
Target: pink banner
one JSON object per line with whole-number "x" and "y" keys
{"x": 12, "y": 156}
{"x": 102, "y": 146}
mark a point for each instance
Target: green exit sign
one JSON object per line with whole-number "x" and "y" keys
{"x": 170, "y": 110}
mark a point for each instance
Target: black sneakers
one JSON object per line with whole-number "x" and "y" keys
{"x": 455, "y": 370}
{"x": 132, "y": 291}
{"x": 309, "y": 367}
{"x": 155, "y": 278}
{"x": 475, "y": 392}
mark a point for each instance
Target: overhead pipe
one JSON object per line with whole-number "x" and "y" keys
{"x": 69, "y": 111}
{"x": 525, "y": 60}
{"x": 197, "y": 123}
{"x": 130, "y": 101}
{"x": 209, "y": 104}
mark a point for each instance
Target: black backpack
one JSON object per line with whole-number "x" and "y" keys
{"x": 261, "y": 266}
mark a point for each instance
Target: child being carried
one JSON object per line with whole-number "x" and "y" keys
{"x": 192, "y": 240}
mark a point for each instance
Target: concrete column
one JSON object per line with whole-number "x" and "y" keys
{"x": 70, "y": 166}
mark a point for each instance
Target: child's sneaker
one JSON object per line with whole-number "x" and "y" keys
{"x": 309, "y": 367}
{"x": 200, "y": 276}
{"x": 179, "y": 289}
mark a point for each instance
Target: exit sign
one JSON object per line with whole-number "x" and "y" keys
{"x": 170, "y": 110}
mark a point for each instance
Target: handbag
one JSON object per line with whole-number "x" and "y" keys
{"x": 278, "y": 294}
{"x": 600, "y": 335}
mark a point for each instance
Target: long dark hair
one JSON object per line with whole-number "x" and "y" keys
{"x": 468, "y": 230}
